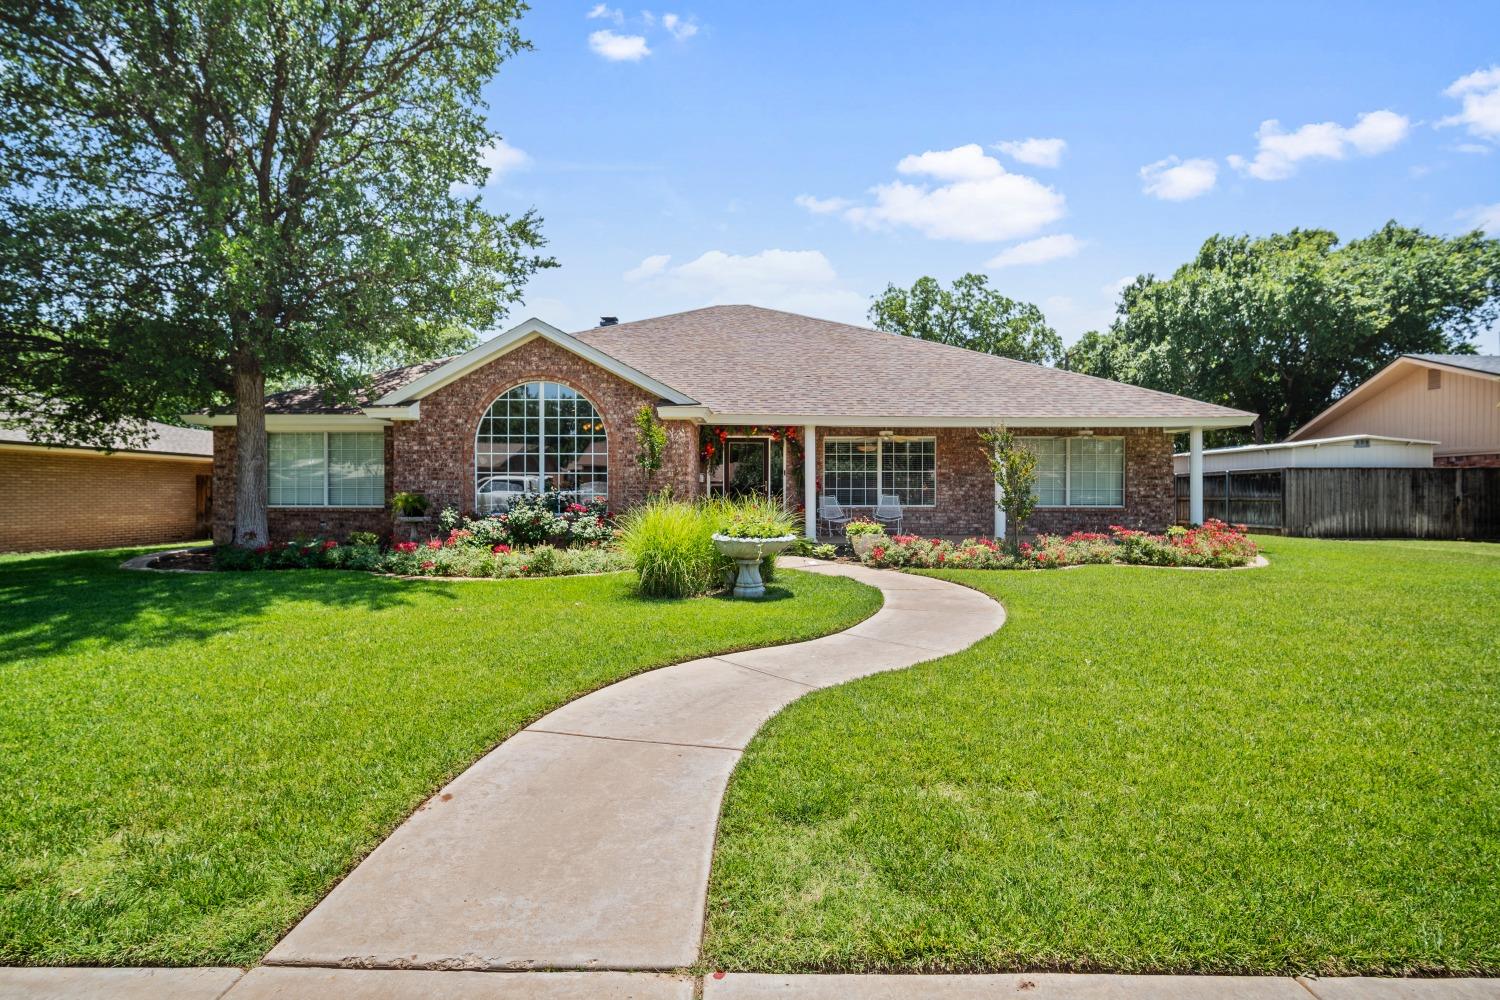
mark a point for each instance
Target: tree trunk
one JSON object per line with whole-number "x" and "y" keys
{"x": 250, "y": 483}
{"x": 1258, "y": 430}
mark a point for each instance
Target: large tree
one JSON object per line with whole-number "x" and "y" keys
{"x": 1283, "y": 325}
{"x": 970, "y": 314}
{"x": 199, "y": 195}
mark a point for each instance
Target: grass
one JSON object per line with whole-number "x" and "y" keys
{"x": 1277, "y": 770}
{"x": 189, "y": 762}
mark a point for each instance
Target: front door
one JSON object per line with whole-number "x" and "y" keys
{"x": 747, "y": 466}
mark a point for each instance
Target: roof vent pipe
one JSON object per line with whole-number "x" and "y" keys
{"x": 608, "y": 320}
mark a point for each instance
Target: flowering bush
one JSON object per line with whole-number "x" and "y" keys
{"x": 1216, "y": 545}
{"x": 863, "y": 526}
{"x": 543, "y": 518}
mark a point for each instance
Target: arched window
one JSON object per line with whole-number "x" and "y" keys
{"x": 540, "y": 437}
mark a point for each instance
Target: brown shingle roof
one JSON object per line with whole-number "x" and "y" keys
{"x": 164, "y": 440}
{"x": 315, "y": 400}
{"x": 745, "y": 359}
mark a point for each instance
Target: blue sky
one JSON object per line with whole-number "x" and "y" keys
{"x": 773, "y": 152}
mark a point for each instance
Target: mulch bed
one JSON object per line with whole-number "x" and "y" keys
{"x": 200, "y": 561}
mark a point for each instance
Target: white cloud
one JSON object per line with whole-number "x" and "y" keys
{"x": 1486, "y": 217}
{"x": 981, "y": 203}
{"x": 1278, "y": 152}
{"x": 962, "y": 163}
{"x": 680, "y": 28}
{"x": 619, "y": 48}
{"x": 648, "y": 268}
{"x": 1480, "y": 93}
{"x": 1037, "y": 251}
{"x": 1037, "y": 152}
{"x": 1114, "y": 288}
{"x": 601, "y": 11}
{"x": 1175, "y": 179}
{"x": 821, "y": 206}
{"x": 500, "y": 158}
{"x": 795, "y": 280}
{"x": 1472, "y": 147}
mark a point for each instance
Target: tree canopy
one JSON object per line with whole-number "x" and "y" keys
{"x": 970, "y": 314}
{"x": 199, "y": 195}
{"x": 1283, "y": 325}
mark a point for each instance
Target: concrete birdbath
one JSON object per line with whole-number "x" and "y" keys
{"x": 748, "y": 552}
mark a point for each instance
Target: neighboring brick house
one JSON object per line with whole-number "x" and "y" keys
{"x": 753, "y": 399}
{"x": 1449, "y": 400}
{"x": 54, "y": 497}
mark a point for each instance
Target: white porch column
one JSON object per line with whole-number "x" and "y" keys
{"x": 1195, "y": 475}
{"x": 999, "y": 512}
{"x": 810, "y": 481}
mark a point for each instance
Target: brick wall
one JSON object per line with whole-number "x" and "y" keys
{"x": 1490, "y": 461}
{"x": 285, "y": 523}
{"x": 57, "y": 500}
{"x": 966, "y": 489}
{"x": 435, "y": 455}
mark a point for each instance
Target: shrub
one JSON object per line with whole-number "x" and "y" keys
{"x": 670, "y": 544}
{"x": 363, "y": 538}
{"x": 448, "y": 519}
{"x": 408, "y": 504}
{"x": 824, "y": 551}
{"x": 1216, "y": 544}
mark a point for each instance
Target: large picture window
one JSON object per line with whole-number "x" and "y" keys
{"x": 1078, "y": 471}
{"x": 540, "y": 437}
{"x": 333, "y": 469}
{"x": 857, "y": 471}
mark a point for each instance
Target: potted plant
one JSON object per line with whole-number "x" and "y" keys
{"x": 410, "y": 506}
{"x": 756, "y": 531}
{"x": 864, "y": 535}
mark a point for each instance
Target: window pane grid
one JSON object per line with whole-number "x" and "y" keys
{"x": 540, "y": 436}
{"x": 1078, "y": 471}
{"x": 856, "y": 471}
{"x": 326, "y": 470}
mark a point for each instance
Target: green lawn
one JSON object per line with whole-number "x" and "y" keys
{"x": 1287, "y": 769}
{"x": 188, "y": 762}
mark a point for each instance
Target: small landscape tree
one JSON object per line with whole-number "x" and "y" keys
{"x": 1014, "y": 469}
{"x": 652, "y": 438}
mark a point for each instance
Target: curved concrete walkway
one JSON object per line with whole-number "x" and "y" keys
{"x": 584, "y": 841}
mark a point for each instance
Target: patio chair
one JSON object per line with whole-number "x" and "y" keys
{"x": 888, "y": 511}
{"x": 831, "y": 513}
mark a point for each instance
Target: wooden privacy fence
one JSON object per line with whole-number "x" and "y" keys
{"x": 1355, "y": 503}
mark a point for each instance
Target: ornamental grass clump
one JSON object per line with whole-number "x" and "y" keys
{"x": 670, "y": 544}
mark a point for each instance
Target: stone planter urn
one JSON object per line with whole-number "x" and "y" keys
{"x": 748, "y": 552}
{"x": 864, "y": 543}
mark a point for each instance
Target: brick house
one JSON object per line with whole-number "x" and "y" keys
{"x": 60, "y": 497}
{"x": 753, "y": 399}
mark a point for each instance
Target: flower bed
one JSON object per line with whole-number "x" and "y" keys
{"x": 1215, "y": 545}
{"x": 538, "y": 536}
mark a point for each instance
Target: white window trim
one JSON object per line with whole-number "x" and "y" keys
{"x": 1067, "y": 440}
{"x": 880, "y": 465}
{"x": 325, "y": 505}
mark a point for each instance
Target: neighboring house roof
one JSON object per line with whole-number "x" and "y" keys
{"x": 165, "y": 440}
{"x": 1489, "y": 364}
{"x": 753, "y": 365}
{"x": 745, "y": 360}
{"x": 1479, "y": 365}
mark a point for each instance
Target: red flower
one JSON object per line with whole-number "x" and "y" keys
{"x": 406, "y": 546}
{"x": 428, "y": 564}
{"x": 878, "y": 552}
{"x": 330, "y": 544}
{"x": 500, "y": 549}
{"x": 434, "y": 543}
